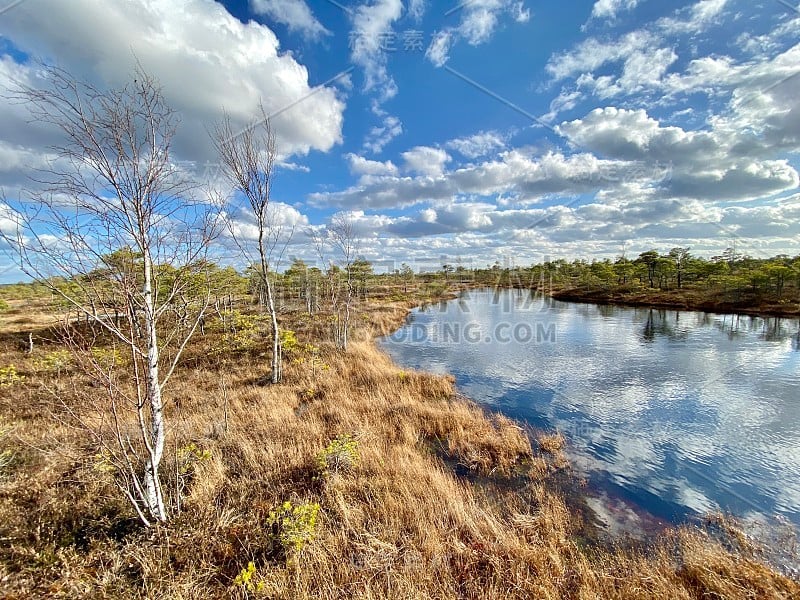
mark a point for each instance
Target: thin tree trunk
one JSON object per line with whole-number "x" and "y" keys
{"x": 270, "y": 303}
{"x": 152, "y": 485}
{"x": 277, "y": 366}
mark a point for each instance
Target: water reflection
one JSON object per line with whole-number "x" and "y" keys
{"x": 677, "y": 412}
{"x": 659, "y": 323}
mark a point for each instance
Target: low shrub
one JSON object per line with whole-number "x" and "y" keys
{"x": 339, "y": 456}
{"x": 293, "y": 525}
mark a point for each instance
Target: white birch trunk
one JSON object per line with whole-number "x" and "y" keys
{"x": 152, "y": 484}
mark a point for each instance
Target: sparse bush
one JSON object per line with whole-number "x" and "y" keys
{"x": 293, "y": 525}
{"x": 9, "y": 376}
{"x": 340, "y": 456}
{"x": 295, "y": 349}
{"x": 289, "y": 341}
{"x": 242, "y": 333}
{"x": 3, "y": 305}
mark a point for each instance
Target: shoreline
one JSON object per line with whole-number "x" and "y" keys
{"x": 606, "y": 531}
{"x": 681, "y": 300}
{"x": 684, "y": 303}
{"x": 641, "y": 529}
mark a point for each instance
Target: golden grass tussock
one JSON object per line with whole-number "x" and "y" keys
{"x": 437, "y": 498}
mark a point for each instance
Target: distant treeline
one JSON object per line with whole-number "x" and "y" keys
{"x": 738, "y": 277}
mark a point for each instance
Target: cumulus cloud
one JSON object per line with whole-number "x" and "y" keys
{"x": 426, "y": 161}
{"x": 634, "y": 135}
{"x": 480, "y": 231}
{"x": 363, "y": 166}
{"x": 239, "y": 66}
{"x": 289, "y": 226}
{"x": 295, "y": 14}
{"x": 703, "y": 165}
{"x": 517, "y": 174}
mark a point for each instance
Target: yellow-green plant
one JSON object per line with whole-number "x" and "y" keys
{"x": 293, "y": 525}
{"x": 241, "y": 332}
{"x": 55, "y": 361}
{"x": 9, "y": 376}
{"x": 289, "y": 341}
{"x": 107, "y": 357}
{"x": 316, "y": 362}
{"x": 103, "y": 462}
{"x": 244, "y": 579}
{"x": 293, "y": 347}
{"x": 188, "y": 457}
{"x": 339, "y": 456}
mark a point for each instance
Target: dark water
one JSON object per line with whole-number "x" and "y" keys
{"x": 672, "y": 413}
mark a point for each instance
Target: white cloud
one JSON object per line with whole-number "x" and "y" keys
{"x": 241, "y": 64}
{"x": 295, "y": 14}
{"x": 479, "y": 20}
{"x": 636, "y": 50}
{"x": 517, "y": 174}
{"x": 416, "y": 9}
{"x": 478, "y": 145}
{"x": 363, "y": 166}
{"x": 439, "y": 50}
{"x": 566, "y": 100}
{"x": 371, "y": 24}
{"x": 704, "y": 165}
{"x": 592, "y": 54}
{"x": 609, "y": 9}
{"x": 698, "y": 17}
{"x": 380, "y": 135}
{"x": 634, "y": 135}
{"x": 287, "y": 221}
{"x": 292, "y": 166}
{"x": 642, "y": 71}
{"x": 426, "y": 161}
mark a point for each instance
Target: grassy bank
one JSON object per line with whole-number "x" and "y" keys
{"x": 369, "y": 444}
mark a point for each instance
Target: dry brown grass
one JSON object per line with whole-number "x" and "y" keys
{"x": 400, "y": 524}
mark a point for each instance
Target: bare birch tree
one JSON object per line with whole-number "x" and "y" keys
{"x": 111, "y": 232}
{"x": 248, "y": 161}
{"x": 340, "y": 236}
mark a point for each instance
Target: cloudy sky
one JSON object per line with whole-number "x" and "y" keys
{"x": 475, "y": 131}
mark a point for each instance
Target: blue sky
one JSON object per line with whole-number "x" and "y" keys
{"x": 476, "y": 131}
